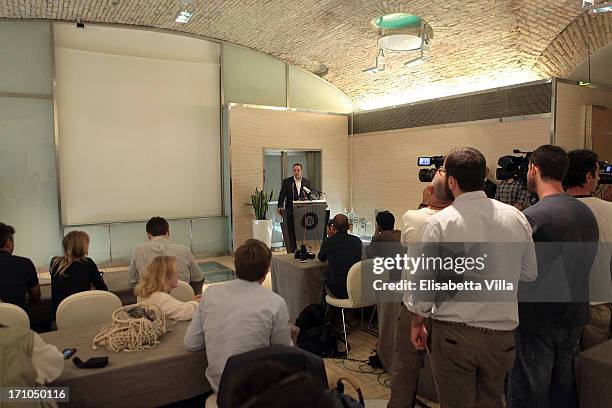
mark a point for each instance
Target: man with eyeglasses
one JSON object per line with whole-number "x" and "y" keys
{"x": 472, "y": 331}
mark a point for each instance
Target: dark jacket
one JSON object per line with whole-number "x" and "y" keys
{"x": 490, "y": 188}
{"x": 289, "y": 193}
{"x": 17, "y": 276}
{"x": 246, "y": 375}
{"x": 341, "y": 251}
{"x": 78, "y": 277}
{"x": 386, "y": 244}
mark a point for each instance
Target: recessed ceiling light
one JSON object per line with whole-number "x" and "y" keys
{"x": 187, "y": 10}
{"x": 183, "y": 17}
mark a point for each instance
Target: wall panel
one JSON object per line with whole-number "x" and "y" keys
{"x": 384, "y": 163}
{"x": 571, "y": 113}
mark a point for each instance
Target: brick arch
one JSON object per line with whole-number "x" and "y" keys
{"x": 571, "y": 46}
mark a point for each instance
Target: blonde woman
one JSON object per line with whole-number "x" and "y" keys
{"x": 74, "y": 272}
{"x": 160, "y": 277}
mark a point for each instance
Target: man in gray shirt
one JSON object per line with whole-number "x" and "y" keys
{"x": 555, "y": 307}
{"x": 158, "y": 232}
{"x": 239, "y": 316}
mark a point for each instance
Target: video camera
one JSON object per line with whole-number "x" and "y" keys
{"x": 605, "y": 172}
{"x": 513, "y": 167}
{"x": 427, "y": 175}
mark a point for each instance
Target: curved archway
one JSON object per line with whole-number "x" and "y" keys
{"x": 572, "y": 45}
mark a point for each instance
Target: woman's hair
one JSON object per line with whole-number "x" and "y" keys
{"x": 76, "y": 247}
{"x": 156, "y": 277}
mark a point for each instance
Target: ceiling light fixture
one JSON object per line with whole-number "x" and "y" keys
{"x": 420, "y": 59}
{"x": 380, "y": 63}
{"x": 187, "y": 10}
{"x": 401, "y": 32}
{"x": 599, "y": 8}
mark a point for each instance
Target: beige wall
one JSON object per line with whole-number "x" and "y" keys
{"x": 571, "y": 111}
{"x": 252, "y": 130}
{"x": 384, "y": 163}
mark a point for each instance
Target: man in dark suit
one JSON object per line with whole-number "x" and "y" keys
{"x": 293, "y": 188}
{"x": 342, "y": 250}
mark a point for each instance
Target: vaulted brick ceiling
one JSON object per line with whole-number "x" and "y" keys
{"x": 477, "y": 44}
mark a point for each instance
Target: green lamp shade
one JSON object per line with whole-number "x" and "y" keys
{"x": 397, "y": 21}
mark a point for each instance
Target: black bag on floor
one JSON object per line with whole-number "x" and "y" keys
{"x": 343, "y": 400}
{"x": 316, "y": 336}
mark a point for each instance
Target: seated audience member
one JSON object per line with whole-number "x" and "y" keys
{"x": 155, "y": 285}
{"x": 239, "y": 315}
{"x": 472, "y": 332}
{"x": 552, "y": 317}
{"x": 384, "y": 236}
{"x": 26, "y": 360}
{"x": 580, "y": 181}
{"x": 158, "y": 232}
{"x": 407, "y": 360}
{"x": 18, "y": 275}
{"x": 513, "y": 192}
{"x": 342, "y": 250}
{"x": 74, "y": 272}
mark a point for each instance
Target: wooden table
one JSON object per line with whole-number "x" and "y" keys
{"x": 154, "y": 377}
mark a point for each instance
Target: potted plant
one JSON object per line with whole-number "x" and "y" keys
{"x": 262, "y": 227}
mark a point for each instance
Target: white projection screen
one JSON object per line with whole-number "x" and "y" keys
{"x": 138, "y": 125}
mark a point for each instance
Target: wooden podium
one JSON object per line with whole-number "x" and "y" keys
{"x": 309, "y": 222}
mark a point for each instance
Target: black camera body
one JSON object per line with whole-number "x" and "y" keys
{"x": 302, "y": 254}
{"x": 513, "y": 167}
{"x": 427, "y": 175}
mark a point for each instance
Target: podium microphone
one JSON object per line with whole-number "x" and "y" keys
{"x": 306, "y": 189}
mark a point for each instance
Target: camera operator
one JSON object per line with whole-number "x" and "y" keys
{"x": 407, "y": 360}
{"x": 580, "y": 182}
{"x": 513, "y": 192}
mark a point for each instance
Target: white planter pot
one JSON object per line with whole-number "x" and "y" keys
{"x": 262, "y": 230}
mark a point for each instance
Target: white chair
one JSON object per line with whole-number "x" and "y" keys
{"x": 183, "y": 292}
{"x": 355, "y": 296}
{"x": 86, "y": 308}
{"x": 13, "y": 316}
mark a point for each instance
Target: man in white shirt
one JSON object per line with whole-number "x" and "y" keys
{"x": 407, "y": 360}
{"x": 581, "y": 180}
{"x": 239, "y": 316}
{"x": 158, "y": 232}
{"x": 473, "y": 330}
